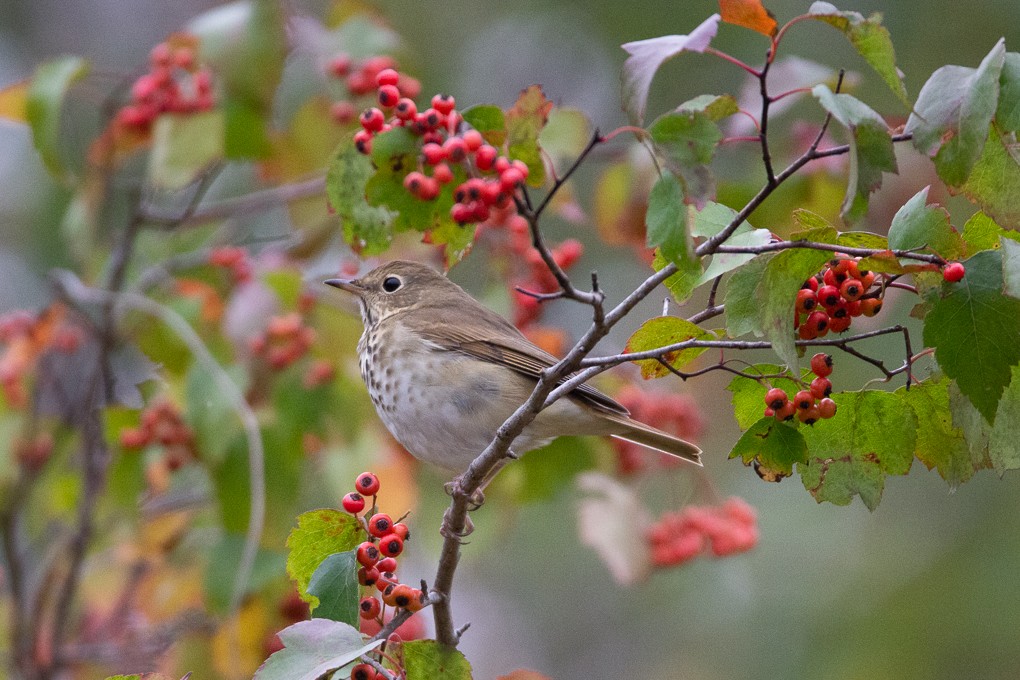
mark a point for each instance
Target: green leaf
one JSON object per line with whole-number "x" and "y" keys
{"x": 982, "y": 233}
{"x": 489, "y": 120}
{"x": 871, "y": 148}
{"x": 684, "y": 281}
{"x": 319, "y": 534}
{"x": 367, "y": 228}
{"x": 749, "y": 395}
{"x": 1002, "y": 440}
{"x": 46, "y": 94}
{"x": 951, "y": 117}
{"x": 972, "y": 424}
{"x": 687, "y": 138}
{"x": 741, "y": 303}
{"x": 524, "y": 123}
{"x": 1010, "y": 267}
{"x": 940, "y": 444}
{"x": 862, "y": 239}
{"x": 872, "y": 435}
{"x": 974, "y": 330}
{"x": 221, "y": 573}
{"x": 994, "y": 182}
{"x": 429, "y": 660}
{"x": 566, "y": 133}
{"x": 312, "y": 649}
{"x": 918, "y": 225}
{"x": 871, "y": 40}
{"x": 646, "y": 56}
{"x": 711, "y": 220}
{"x": 1007, "y": 114}
{"x": 776, "y": 446}
{"x": 210, "y": 415}
{"x": 335, "y": 584}
{"x": 661, "y": 332}
{"x": 666, "y": 220}
{"x": 183, "y": 146}
{"x": 776, "y": 296}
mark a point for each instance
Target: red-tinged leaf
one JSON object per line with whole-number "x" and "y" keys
{"x": 974, "y": 330}
{"x": 14, "y": 102}
{"x": 612, "y": 521}
{"x": 884, "y": 262}
{"x": 749, "y": 14}
{"x": 871, "y": 40}
{"x": 489, "y": 120}
{"x": 319, "y": 534}
{"x": 524, "y": 122}
{"x": 952, "y": 114}
{"x": 871, "y": 148}
{"x": 429, "y": 660}
{"x": 661, "y": 332}
{"x": 646, "y": 56}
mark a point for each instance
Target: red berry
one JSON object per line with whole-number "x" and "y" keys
{"x": 769, "y": 413}
{"x": 368, "y": 576}
{"x": 953, "y": 272}
{"x": 819, "y": 321}
{"x": 353, "y": 503}
{"x": 840, "y": 324}
{"x": 391, "y": 545}
{"x": 160, "y": 56}
{"x": 367, "y": 554}
{"x": 462, "y": 213}
{"x": 364, "y": 671}
{"x": 433, "y": 153}
{"x": 821, "y": 364}
{"x": 340, "y": 65}
{"x": 826, "y": 408}
{"x": 871, "y": 306}
{"x": 787, "y": 412}
{"x": 803, "y": 400}
{"x": 442, "y": 173}
{"x": 429, "y": 189}
{"x": 400, "y": 529}
{"x": 473, "y": 139}
{"x": 343, "y": 112}
{"x": 386, "y": 565}
{"x": 413, "y": 182}
{"x": 369, "y": 607}
{"x": 373, "y": 119}
{"x": 485, "y": 156}
{"x": 806, "y": 300}
{"x": 807, "y": 332}
{"x": 510, "y": 179}
{"x": 821, "y": 387}
{"x": 363, "y": 141}
{"x": 405, "y": 109}
{"x": 867, "y": 278}
{"x": 380, "y": 524}
{"x": 775, "y": 398}
{"x": 402, "y": 595}
{"x": 811, "y": 284}
{"x": 389, "y": 95}
{"x": 443, "y": 103}
{"x": 367, "y": 484}
{"x": 387, "y": 77}
{"x": 852, "y": 289}
{"x": 456, "y": 149}
{"x": 429, "y": 118}
{"x": 809, "y": 416}
{"x": 829, "y": 296}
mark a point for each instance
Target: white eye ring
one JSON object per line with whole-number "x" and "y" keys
{"x": 392, "y": 284}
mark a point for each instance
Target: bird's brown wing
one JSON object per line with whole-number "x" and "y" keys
{"x": 487, "y": 336}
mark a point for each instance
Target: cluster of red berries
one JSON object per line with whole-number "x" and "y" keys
{"x": 840, "y": 292}
{"x": 536, "y": 277}
{"x": 809, "y": 405}
{"x": 162, "y": 423}
{"x": 675, "y": 413}
{"x": 320, "y": 372}
{"x": 360, "y": 79}
{"x": 27, "y": 336}
{"x": 285, "y": 340}
{"x": 725, "y": 530}
{"x": 493, "y": 177}
{"x": 234, "y": 259}
{"x": 175, "y": 83}
{"x": 378, "y": 554}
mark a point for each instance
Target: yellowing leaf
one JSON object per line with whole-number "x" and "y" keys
{"x": 662, "y": 332}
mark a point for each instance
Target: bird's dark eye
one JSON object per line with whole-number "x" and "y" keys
{"x": 391, "y": 284}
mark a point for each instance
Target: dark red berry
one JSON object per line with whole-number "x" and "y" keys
{"x": 353, "y": 503}
{"x": 775, "y": 398}
{"x": 821, "y": 364}
{"x": 367, "y": 554}
{"x": 386, "y": 564}
{"x": 380, "y": 524}
{"x": 367, "y": 484}
{"x": 821, "y": 387}
{"x": 369, "y": 607}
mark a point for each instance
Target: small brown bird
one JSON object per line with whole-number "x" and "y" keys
{"x": 444, "y": 372}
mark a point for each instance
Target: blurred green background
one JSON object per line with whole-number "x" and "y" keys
{"x": 924, "y": 587}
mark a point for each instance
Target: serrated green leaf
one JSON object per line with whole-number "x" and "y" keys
{"x": 871, "y": 148}
{"x": 981, "y": 233}
{"x": 666, "y": 220}
{"x": 335, "y": 584}
{"x": 1003, "y": 450}
{"x": 367, "y": 228}
{"x": 741, "y": 304}
{"x": 952, "y": 114}
{"x": 711, "y": 220}
{"x": 974, "y": 330}
{"x": 489, "y": 120}
{"x": 646, "y": 56}
{"x": 872, "y": 435}
{"x": 918, "y": 225}
{"x": 810, "y": 221}
{"x": 940, "y": 444}
{"x": 994, "y": 181}
{"x": 319, "y": 534}
{"x": 524, "y": 123}
{"x": 776, "y": 295}
{"x": 869, "y": 38}
{"x": 749, "y": 395}
{"x": 775, "y": 445}
{"x": 429, "y": 660}
{"x": 681, "y": 284}
{"x": 686, "y": 139}
{"x": 313, "y": 648}
{"x": 661, "y": 332}
{"x": 972, "y": 424}
{"x": 46, "y": 93}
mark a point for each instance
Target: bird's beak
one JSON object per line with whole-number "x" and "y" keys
{"x": 350, "y": 285}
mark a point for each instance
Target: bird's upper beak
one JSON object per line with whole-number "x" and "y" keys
{"x": 350, "y": 285}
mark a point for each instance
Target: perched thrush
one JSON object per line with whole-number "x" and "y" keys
{"x": 444, "y": 372}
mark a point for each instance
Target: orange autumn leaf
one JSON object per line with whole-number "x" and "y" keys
{"x": 749, "y": 14}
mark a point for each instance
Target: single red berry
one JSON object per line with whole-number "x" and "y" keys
{"x": 369, "y": 607}
{"x": 429, "y": 190}
{"x": 826, "y": 408}
{"x": 417, "y": 602}
{"x": 380, "y": 524}
{"x": 368, "y": 576}
{"x": 433, "y": 153}
{"x": 811, "y": 284}
{"x": 443, "y": 103}
{"x": 387, "y": 76}
{"x": 343, "y": 112}
{"x": 829, "y": 296}
{"x": 363, "y": 141}
{"x": 403, "y": 594}
{"x": 854, "y": 308}
{"x": 386, "y": 564}
{"x": 413, "y": 182}
{"x": 829, "y": 278}
{"x": 485, "y": 156}
{"x": 821, "y": 387}
{"x": 806, "y": 300}
{"x": 819, "y": 321}
{"x": 807, "y": 332}
{"x": 841, "y": 267}
{"x": 501, "y": 164}
{"x": 340, "y": 65}
{"x": 809, "y": 416}
{"x": 389, "y": 594}
{"x": 871, "y": 306}
{"x": 769, "y": 413}
{"x": 821, "y": 364}
{"x": 840, "y": 310}
{"x": 473, "y": 139}
{"x": 852, "y": 289}
{"x": 510, "y": 179}
{"x": 788, "y": 411}
{"x": 391, "y": 545}
{"x": 442, "y": 173}
{"x": 840, "y": 324}
{"x": 803, "y": 400}
{"x": 367, "y": 554}
{"x": 776, "y": 398}
{"x": 372, "y": 119}
{"x": 400, "y": 529}
{"x": 388, "y": 96}
{"x": 429, "y": 118}
{"x": 367, "y": 484}
{"x": 867, "y": 278}
{"x": 953, "y": 272}
{"x": 405, "y": 109}
{"x": 462, "y": 213}
{"x": 353, "y": 502}
{"x": 456, "y": 149}
{"x": 364, "y": 671}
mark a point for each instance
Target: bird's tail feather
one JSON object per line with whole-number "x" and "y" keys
{"x": 648, "y": 436}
